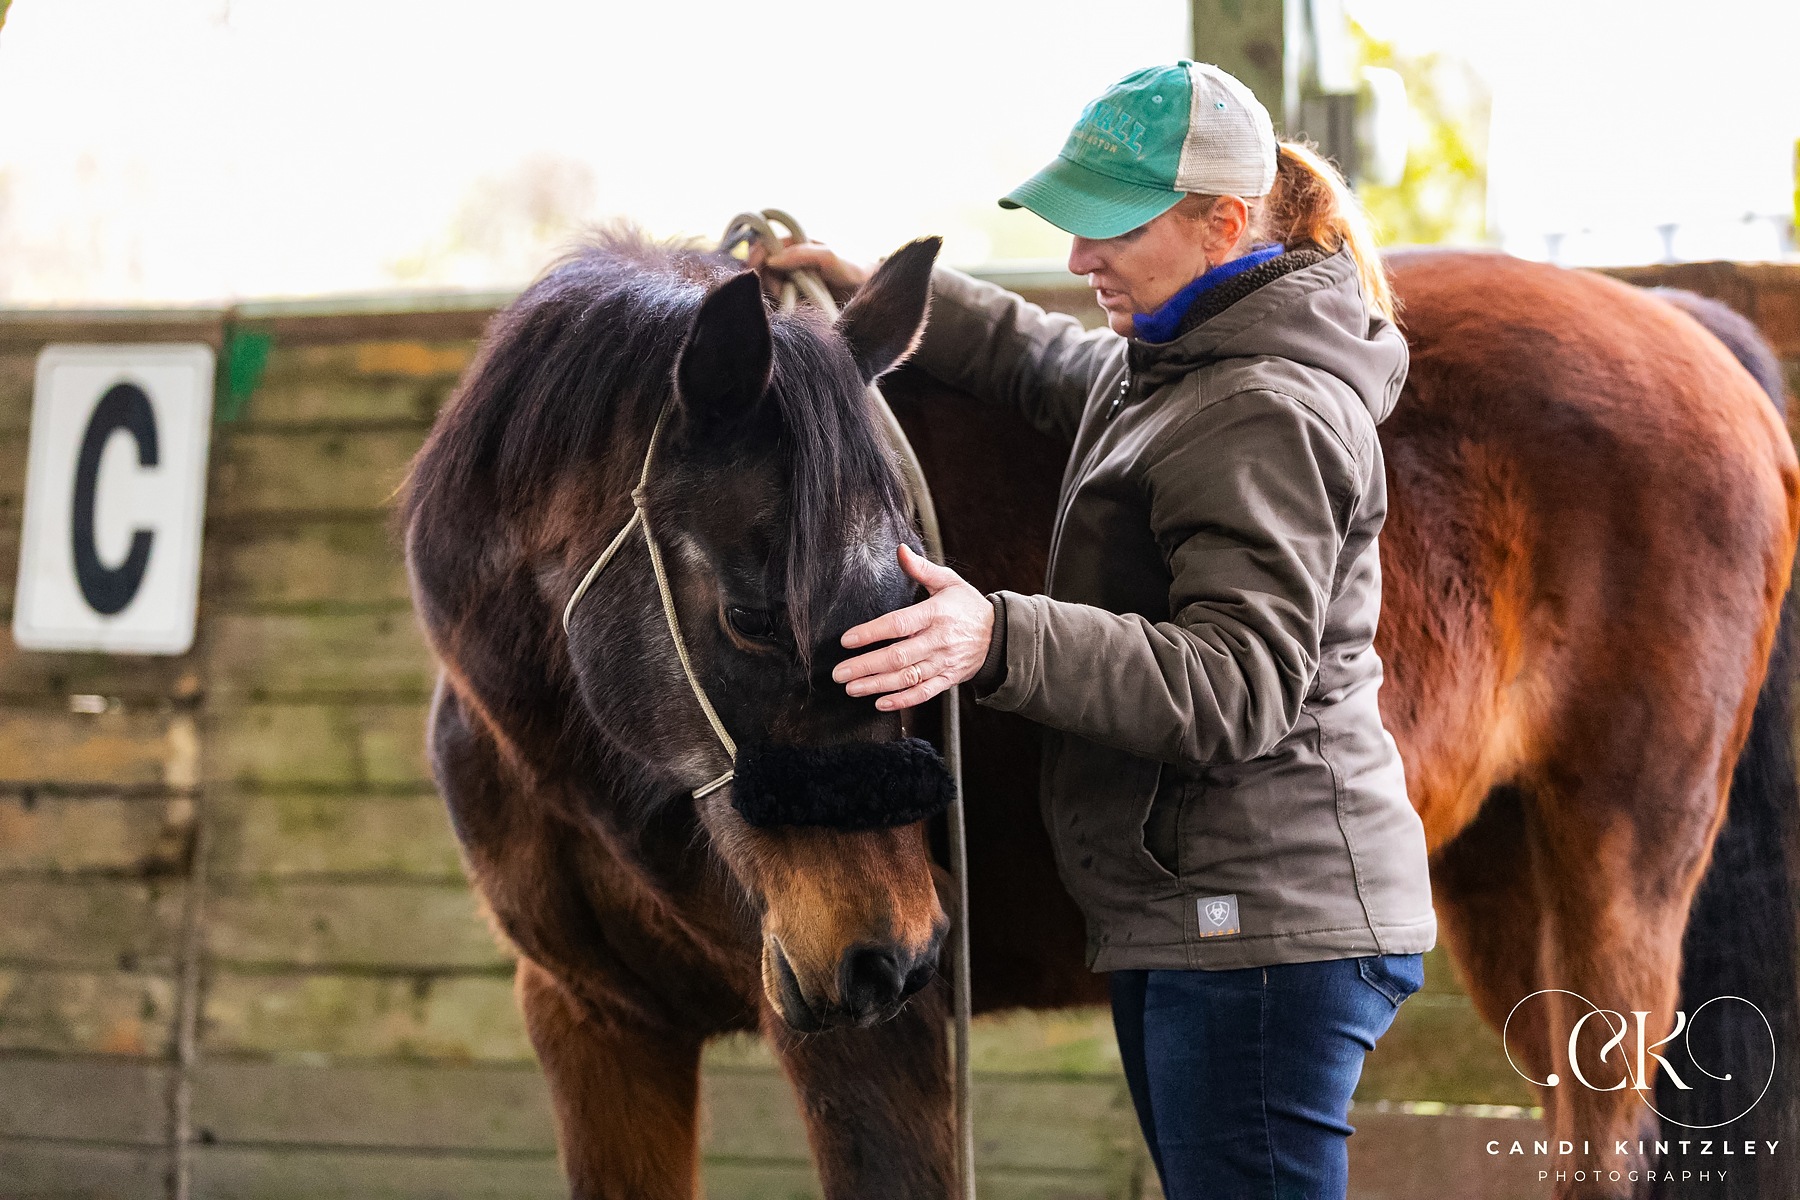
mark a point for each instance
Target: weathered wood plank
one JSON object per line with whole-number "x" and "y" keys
{"x": 18, "y": 380}
{"x": 64, "y": 1171}
{"x": 131, "y": 747}
{"x": 257, "y": 1173}
{"x": 271, "y": 563}
{"x": 14, "y": 445}
{"x": 490, "y": 1108}
{"x": 35, "y": 678}
{"x": 227, "y": 1173}
{"x": 1399, "y": 1156}
{"x": 85, "y": 1012}
{"x": 431, "y": 318}
{"x": 392, "y": 926}
{"x": 358, "y": 382}
{"x": 750, "y": 1115}
{"x": 310, "y": 746}
{"x": 257, "y": 835}
{"x": 122, "y": 1101}
{"x": 370, "y": 357}
{"x": 9, "y": 571}
{"x": 256, "y": 656}
{"x": 81, "y": 922}
{"x": 1042, "y": 1125}
{"x": 58, "y": 835}
{"x": 422, "y": 1018}
{"x": 327, "y": 401}
{"x": 1778, "y": 307}
{"x": 1075, "y": 1043}
{"x": 271, "y": 471}
{"x": 1068, "y": 1125}
{"x": 27, "y": 331}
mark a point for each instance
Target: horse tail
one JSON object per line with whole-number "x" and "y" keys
{"x": 1740, "y": 335}
{"x": 1743, "y": 934}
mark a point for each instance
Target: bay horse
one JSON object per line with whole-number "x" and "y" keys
{"x": 1593, "y": 511}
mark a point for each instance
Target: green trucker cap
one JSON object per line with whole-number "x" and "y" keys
{"x": 1148, "y": 140}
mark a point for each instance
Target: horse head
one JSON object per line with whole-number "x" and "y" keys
{"x": 780, "y": 506}
{"x": 777, "y": 509}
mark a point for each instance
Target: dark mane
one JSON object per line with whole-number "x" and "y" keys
{"x": 578, "y": 365}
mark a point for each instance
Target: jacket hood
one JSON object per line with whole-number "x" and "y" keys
{"x": 1312, "y": 312}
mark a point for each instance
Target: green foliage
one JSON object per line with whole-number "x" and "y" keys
{"x": 1443, "y": 195}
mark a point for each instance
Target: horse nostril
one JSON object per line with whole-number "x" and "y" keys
{"x": 917, "y": 978}
{"x": 871, "y": 979}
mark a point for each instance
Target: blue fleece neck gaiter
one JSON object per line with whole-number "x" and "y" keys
{"x": 1160, "y": 326}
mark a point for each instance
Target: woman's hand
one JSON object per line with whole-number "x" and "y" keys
{"x": 946, "y": 639}
{"x": 841, "y": 277}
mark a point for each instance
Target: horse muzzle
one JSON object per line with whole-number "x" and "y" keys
{"x": 873, "y": 983}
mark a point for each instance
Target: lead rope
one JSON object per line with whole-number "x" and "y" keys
{"x": 744, "y": 228}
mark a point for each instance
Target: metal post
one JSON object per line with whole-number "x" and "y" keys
{"x": 1295, "y": 55}
{"x": 1249, "y": 39}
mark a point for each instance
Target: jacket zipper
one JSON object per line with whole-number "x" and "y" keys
{"x": 1118, "y": 400}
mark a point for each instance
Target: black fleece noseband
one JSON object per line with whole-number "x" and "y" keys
{"x": 852, "y": 785}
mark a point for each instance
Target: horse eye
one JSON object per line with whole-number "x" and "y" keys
{"x": 751, "y": 622}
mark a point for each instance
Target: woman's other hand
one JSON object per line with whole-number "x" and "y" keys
{"x": 841, "y": 277}
{"x": 945, "y": 640}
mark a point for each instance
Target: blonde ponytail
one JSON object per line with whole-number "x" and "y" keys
{"x": 1310, "y": 204}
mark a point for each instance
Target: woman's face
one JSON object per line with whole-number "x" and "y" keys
{"x": 1137, "y": 272}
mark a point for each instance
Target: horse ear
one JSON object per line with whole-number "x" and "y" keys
{"x": 726, "y": 360}
{"x": 883, "y": 323}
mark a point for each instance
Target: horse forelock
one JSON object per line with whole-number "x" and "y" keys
{"x": 842, "y": 479}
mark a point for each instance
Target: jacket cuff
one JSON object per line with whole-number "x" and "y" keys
{"x": 1019, "y": 653}
{"x": 993, "y": 667}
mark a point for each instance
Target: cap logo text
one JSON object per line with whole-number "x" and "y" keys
{"x": 1118, "y": 125}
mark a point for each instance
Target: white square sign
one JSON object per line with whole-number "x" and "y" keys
{"x": 115, "y": 493}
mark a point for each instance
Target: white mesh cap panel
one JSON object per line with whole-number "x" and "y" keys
{"x": 1230, "y": 145}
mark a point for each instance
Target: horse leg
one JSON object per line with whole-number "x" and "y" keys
{"x": 876, "y": 1101}
{"x": 1527, "y": 901}
{"x": 1491, "y": 919}
{"x": 1622, "y": 852}
{"x": 625, "y": 1095}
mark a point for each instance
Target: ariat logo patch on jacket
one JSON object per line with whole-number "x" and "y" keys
{"x": 1218, "y": 915}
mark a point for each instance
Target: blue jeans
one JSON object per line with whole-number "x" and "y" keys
{"x": 1242, "y": 1078}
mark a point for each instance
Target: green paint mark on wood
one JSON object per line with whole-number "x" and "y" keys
{"x": 246, "y": 356}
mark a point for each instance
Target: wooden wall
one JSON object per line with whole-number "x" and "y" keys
{"x": 238, "y": 957}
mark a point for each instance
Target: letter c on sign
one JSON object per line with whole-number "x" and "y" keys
{"x": 110, "y": 589}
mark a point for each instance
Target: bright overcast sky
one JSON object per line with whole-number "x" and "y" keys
{"x": 208, "y": 149}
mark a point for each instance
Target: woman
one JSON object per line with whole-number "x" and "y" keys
{"x": 1224, "y": 802}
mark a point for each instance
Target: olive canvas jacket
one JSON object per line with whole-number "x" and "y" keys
{"x": 1217, "y": 783}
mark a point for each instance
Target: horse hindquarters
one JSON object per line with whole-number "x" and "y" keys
{"x": 1614, "y": 561}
